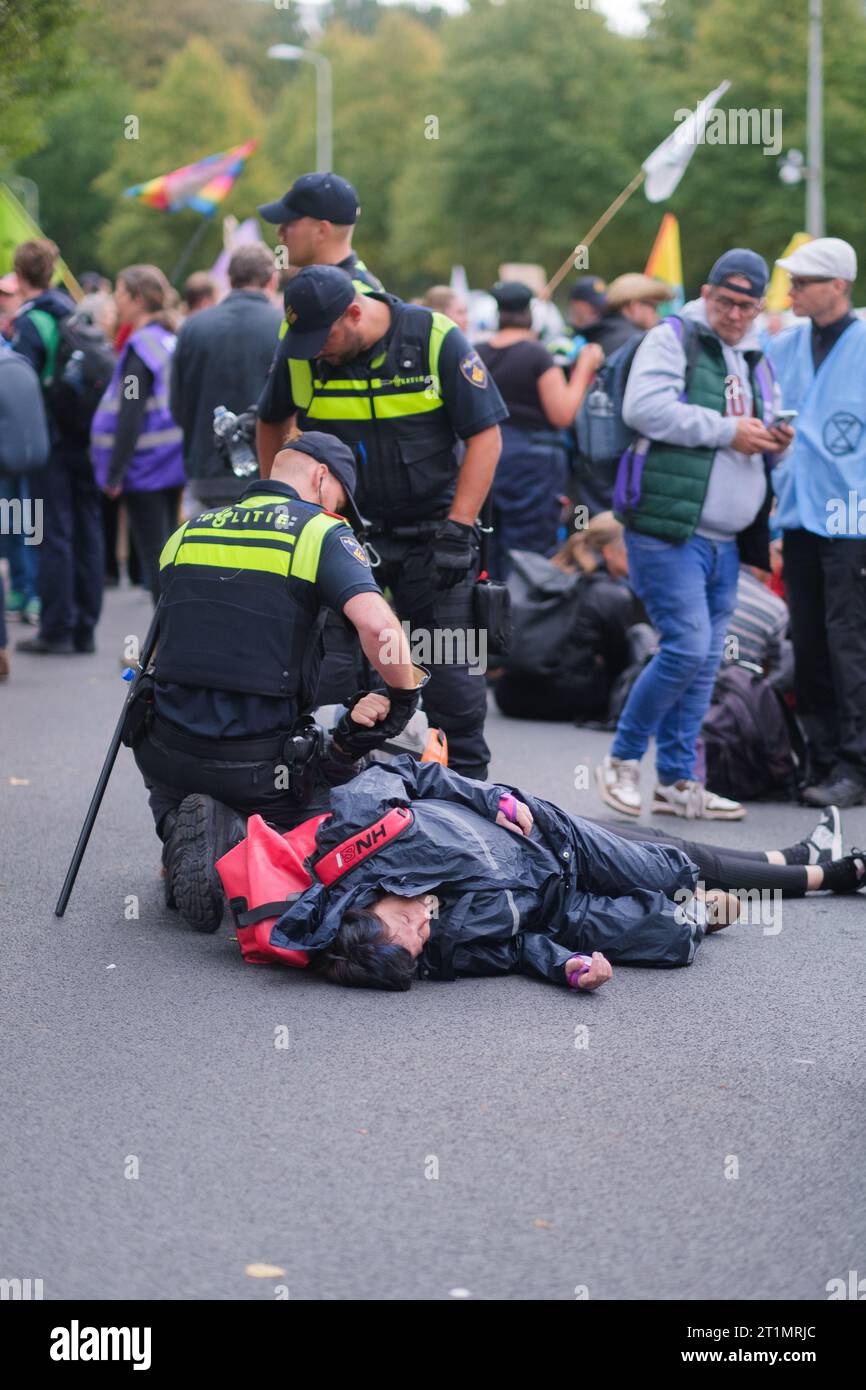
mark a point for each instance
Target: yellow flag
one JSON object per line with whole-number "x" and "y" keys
{"x": 666, "y": 263}
{"x": 16, "y": 225}
{"x": 778, "y": 296}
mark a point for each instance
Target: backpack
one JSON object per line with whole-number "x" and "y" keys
{"x": 79, "y": 363}
{"x": 753, "y": 744}
{"x": 602, "y": 434}
{"x": 544, "y": 602}
{"x": 24, "y": 442}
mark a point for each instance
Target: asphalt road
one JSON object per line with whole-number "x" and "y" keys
{"x": 459, "y": 1140}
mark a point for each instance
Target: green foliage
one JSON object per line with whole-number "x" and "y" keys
{"x": 81, "y": 139}
{"x": 34, "y": 64}
{"x": 200, "y": 107}
{"x": 499, "y": 134}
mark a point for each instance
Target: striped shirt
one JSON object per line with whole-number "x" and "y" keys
{"x": 758, "y": 625}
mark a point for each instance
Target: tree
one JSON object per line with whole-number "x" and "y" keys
{"x": 171, "y": 133}
{"x": 35, "y": 61}
{"x": 81, "y": 138}
{"x": 732, "y": 194}
{"x": 380, "y": 107}
{"x": 543, "y": 119}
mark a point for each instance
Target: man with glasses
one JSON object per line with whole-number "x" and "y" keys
{"x": 693, "y": 495}
{"x": 821, "y": 510}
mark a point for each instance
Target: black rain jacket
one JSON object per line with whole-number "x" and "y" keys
{"x": 506, "y": 902}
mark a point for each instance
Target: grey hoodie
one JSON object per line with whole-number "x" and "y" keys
{"x": 651, "y": 406}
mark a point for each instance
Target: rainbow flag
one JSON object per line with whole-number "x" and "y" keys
{"x": 200, "y": 186}
{"x": 666, "y": 262}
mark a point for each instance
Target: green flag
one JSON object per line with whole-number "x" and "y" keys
{"x": 16, "y": 225}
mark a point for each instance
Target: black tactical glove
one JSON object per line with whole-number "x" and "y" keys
{"x": 452, "y": 553}
{"x": 356, "y": 740}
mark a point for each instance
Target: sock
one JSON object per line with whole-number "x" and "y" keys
{"x": 797, "y": 854}
{"x": 842, "y": 876}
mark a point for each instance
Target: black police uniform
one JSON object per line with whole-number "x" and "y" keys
{"x": 245, "y": 590}
{"x": 403, "y": 405}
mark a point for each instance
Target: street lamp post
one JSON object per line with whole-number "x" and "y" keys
{"x": 324, "y": 98}
{"x": 815, "y": 125}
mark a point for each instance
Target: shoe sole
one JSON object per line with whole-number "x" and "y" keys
{"x": 611, "y": 801}
{"x": 195, "y": 884}
{"x": 665, "y": 809}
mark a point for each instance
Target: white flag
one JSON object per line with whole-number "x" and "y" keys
{"x": 668, "y": 162}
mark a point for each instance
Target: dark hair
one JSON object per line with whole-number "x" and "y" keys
{"x": 147, "y": 283}
{"x": 515, "y": 318}
{"x": 362, "y": 956}
{"x": 34, "y": 261}
{"x": 198, "y": 288}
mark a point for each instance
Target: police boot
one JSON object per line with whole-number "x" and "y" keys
{"x": 205, "y": 830}
{"x": 169, "y": 854}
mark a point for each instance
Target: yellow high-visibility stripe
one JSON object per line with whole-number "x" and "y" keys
{"x": 305, "y": 561}
{"x": 281, "y": 537}
{"x": 406, "y": 403}
{"x": 237, "y": 557}
{"x": 339, "y": 408}
{"x": 439, "y": 330}
{"x": 300, "y": 382}
{"x": 169, "y": 550}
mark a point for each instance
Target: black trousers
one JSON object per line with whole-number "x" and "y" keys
{"x": 253, "y": 785}
{"x": 71, "y": 560}
{"x": 826, "y": 583}
{"x": 152, "y": 516}
{"x": 445, "y": 637}
{"x": 731, "y": 869}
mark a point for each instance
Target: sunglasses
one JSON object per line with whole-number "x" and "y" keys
{"x": 802, "y": 282}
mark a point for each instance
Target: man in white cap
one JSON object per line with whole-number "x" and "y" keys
{"x": 819, "y": 484}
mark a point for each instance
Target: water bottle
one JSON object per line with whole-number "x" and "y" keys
{"x": 233, "y": 444}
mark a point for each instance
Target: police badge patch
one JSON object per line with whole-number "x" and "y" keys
{"x": 474, "y": 370}
{"x": 355, "y": 549}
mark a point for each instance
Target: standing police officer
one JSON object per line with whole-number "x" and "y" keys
{"x": 403, "y": 386}
{"x": 315, "y": 220}
{"x": 217, "y": 732}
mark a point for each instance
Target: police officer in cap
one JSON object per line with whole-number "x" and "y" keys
{"x": 219, "y": 731}
{"x": 315, "y": 221}
{"x": 403, "y": 387}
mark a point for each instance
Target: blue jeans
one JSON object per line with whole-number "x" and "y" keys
{"x": 689, "y": 592}
{"x": 23, "y": 559}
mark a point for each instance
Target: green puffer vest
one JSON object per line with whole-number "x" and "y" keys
{"x": 675, "y": 479}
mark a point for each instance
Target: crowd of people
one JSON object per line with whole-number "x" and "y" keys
{"x": 726, "y": 530}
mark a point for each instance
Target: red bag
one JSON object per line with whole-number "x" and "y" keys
{"x": 267, "y": 871}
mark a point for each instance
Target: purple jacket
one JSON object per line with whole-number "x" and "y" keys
{"x": 158, "y": 458}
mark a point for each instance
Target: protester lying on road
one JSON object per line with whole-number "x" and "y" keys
{"x": 483, "y": 880}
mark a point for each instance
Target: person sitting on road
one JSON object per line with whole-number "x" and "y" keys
{"x": 486, "y": 880}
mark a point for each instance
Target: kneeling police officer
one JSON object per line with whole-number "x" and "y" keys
{"x": 221, "y": 729}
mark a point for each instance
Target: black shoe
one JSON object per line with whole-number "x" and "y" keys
{"x": 84, "y": 643}
{"x": 838, "y": 791}
{"x": 204, "y": 831}
{"x": 43, "y": 646}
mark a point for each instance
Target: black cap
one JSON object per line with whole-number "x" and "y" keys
{"x": 512, "y": 296}
{"x": 327, "y": 449}
{"x": 324, "y": 196}
{"x": 315, "y": 298}
{"x": 591, "y": 290}
{"x": 744, "y": 264}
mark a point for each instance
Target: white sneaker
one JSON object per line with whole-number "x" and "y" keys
{"x": 692, "y": 801}
{"x": 618, "y": 781}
